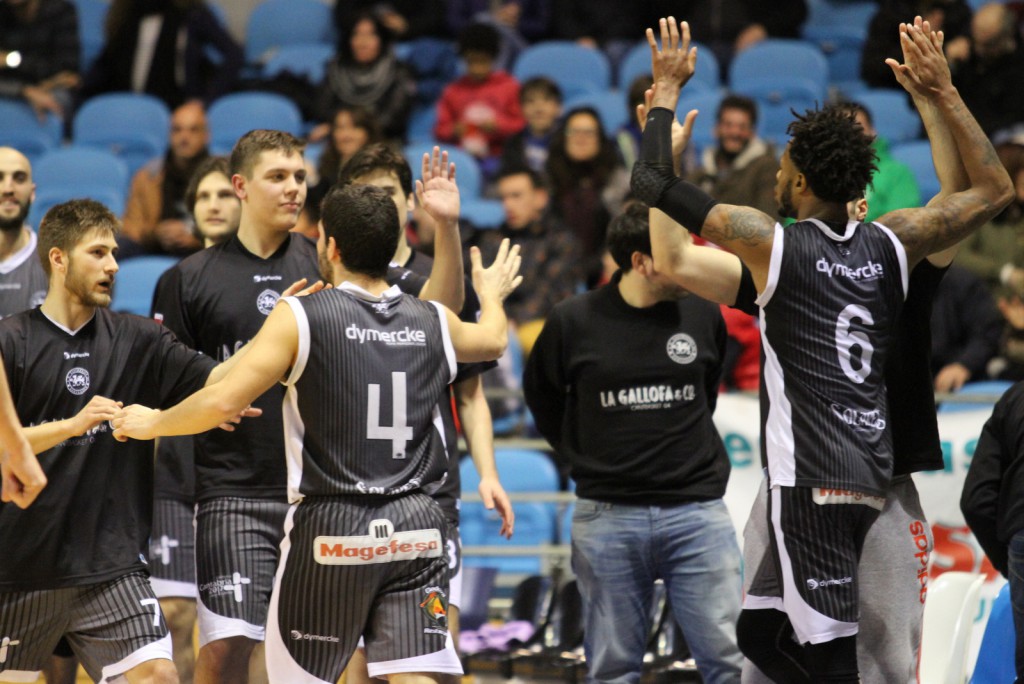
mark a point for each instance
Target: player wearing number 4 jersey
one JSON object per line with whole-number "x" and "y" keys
{"x": 829, "y": 291}
{"x": 363, "y": 366}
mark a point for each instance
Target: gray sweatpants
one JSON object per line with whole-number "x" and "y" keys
{"x": 893, "y": 576}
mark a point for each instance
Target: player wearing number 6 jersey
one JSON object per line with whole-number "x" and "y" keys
{"x": 829, "y": 291}
{"x": 363, "y": 365}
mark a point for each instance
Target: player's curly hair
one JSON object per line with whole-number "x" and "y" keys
{"x": 832, "y": 152}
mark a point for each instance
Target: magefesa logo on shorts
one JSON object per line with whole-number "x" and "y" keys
{"x": 398, "y": 338}
{"x": 869, "y": 271}
{"x": 382, "y": 545}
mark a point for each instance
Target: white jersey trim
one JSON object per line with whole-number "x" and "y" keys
{"x": 66, "y": 329}
{"x": 901, "y": 254}
{"x": 851, "y": 228}
{"x": 446, "y": 335}
{"x": 302, "y": 353}
{"x": 22, "y": 255}
{"x": 779, "y": 443}
{"x": 774, "y": 268}
{"x": 294, "y": 427}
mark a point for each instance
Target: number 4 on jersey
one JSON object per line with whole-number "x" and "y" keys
{"x": 399, "y": 432}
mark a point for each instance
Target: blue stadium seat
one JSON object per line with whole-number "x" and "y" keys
{"x": 23, "y": 131}
{"x": 995, "y": 664}
{"x": 434, "y": 63}
{"x": 92, "y": 14}
{"x": 134, "y": 126}
{"x": 979, "y": 389}
{"x": 609, "y": 104}
{"x": 75, "y": 172}
{"x": 842, "y": 46}
{"x": 704, "y": 127}
{"x": 893, "y": 117}
{"x": 778, "y": 69}
{"x": 483, "y": 213}
{"x": 276, "y": 23}
{"x": 576, "y": 69}
{"x": 852, "y": 14}
{"x": 467, "y": 169}
{"x": 637, "y": 62}
{"x": 918, "y": 156}
{"x": 421, "y": 123}
{"x": 136, "y": 281}
{"x": 231, "y": 116}
{"x": 305, "y": 59}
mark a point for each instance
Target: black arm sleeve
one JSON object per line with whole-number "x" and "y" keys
{"x": 746, "y": 295}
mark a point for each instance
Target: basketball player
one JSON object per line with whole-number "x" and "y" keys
{"x": 364, "y": 366}
{"x": 829, "y": 291}
{"x": 22, "y": 280}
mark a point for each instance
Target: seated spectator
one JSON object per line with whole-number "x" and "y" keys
{"x": 352, "y": 128}
{"x": 741, "y": 168}
{"x": 990, "y": 78}
{"x": 588, "y": 183}
{"x": 215, "y": 206}
{"x": 405, "y": 19}
{"x": 995, "y": 252}
{"x": 893, "y": 185}
{"x": 519, "y": 22}
{"x": 550, "y": 252}
{"x": 39, "y": 53}
{"x": 156, "y": 218}
{"x": 628, "y": 137}
{"x": 1009, "y": 362}
{"x": 541, "y": 101}
{"x": 952, "y": 17}
{"x": 966, "y": 326}
{"x": 366, "y": 73}
{"x": 480, "y": 110}
{"x": 613, "y": 27}
{"x": 163, "y": 47}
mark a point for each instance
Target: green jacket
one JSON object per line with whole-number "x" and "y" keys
{"x": 892, "y": 186}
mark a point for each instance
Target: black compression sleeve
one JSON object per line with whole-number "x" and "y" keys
{"x": 746, "y": 295}
{"x": 654, "y": 181}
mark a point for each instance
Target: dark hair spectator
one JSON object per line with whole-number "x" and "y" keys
{"x": 352, "y": 129}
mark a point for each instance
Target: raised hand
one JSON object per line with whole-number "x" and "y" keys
{"x": 299, "y": 289}
{"x": 675, "y": 63}
{"x": 437, "y": 192}
{"x": 925, "y": 71}
{"x": 502, "y": 277}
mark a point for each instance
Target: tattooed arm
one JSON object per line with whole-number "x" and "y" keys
{"x": 945, "y": 222}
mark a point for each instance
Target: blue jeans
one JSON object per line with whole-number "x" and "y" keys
{"x": 1016, "y": 567}
{"x": 617, "y": 554}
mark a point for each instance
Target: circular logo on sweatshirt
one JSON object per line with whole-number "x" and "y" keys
{"x": 77, "y": 380}
{"x": 681, "y": 348}
{"x": 266, "y": 301}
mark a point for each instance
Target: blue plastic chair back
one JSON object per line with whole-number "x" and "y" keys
{"x": 92, "y": 14}
{"x": 23, "y": 131}
{"x": 854, "y": 15}
{"x": 995, "y": 664}
{"x": 610, "y": 105}
{"x": 842, "y": 47}
{"x": 232, "y": 116}
{"x": 893, "y": 117}
{"x": 637, "y": 62}
{"x": 276, "y": 23}
{"x": 306, "y": 59}
{"x": 77, "y": 172}
{"x": 774, "y": 61}
{"x": 136, "y": 281}
{"x": 982, "y": 388}
{"x": 917, "y": 156}
{"x": 467, "y": 169}
{"x": 576, "y": 69}
{"x": 134, "y": 126}
{"x": 704, "y": 127}
{"x": 483, "y": 214}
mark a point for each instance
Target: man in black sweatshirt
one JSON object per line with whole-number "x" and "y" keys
{"x": 622, "y": 382}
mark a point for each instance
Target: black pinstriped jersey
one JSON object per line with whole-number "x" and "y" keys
{"x": 361, "y": 411}
{"x": 92, "y": 522}
{"x": 23, "y": 283}
{"x": 828, "y": 312}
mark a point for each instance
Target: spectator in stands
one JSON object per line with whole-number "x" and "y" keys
{"x": 156, "y": 218}
{"x": 1009, "y": 362}
{"x": 519, "y": 22}
{"x": 406, "y": 19}
{"x": 990, "y": 79}
{"x": 352, "y": 129}
{"x": 893, "y": 185}
{"x": 588, "y": 182}
{"x": 163, "y": 47}
{"x": 628, "y": 137}
{"x": 23, "y": 283}
{"x": 367, "y": 73}
{"x": 480, "y": 110}
{"x": 541, "y": 102}
{"x": 995, "y": 252}
{"x": 966, "y": 326}
{"x": 613, "y": 27}
{"x": 39, "y": 53}
{"x": 952, "y": 17}
{"x": 550, "y": 252}
{"x": 741, "y": 168}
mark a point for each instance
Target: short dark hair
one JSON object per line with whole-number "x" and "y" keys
{"x": 206, "y": 167}
{"x": 629, "y": 232}
{"x": 330, "y": 160}
{"x": 536, "y": 179}
{"x": 480, "y": 38}
{"x": 67, "y": 224}
{"x": 382, "y": 31}
{"x": 362, "y": 220}
{"x": 858, "y": 107}
{"x": 374, "y": 158}
{"x": 740, "y": 102}
{"x": 637, "y": 90}
{"x": 542, "y": 85}
{"x": 254, "y": 143}
{"x": 831, "y": 150}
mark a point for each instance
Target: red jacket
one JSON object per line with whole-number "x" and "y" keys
{"x": 468, "y": 101}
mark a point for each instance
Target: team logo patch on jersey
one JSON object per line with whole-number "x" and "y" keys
{"x": 681, "y": 348}
{"x": 435, "y": 607}
{"x": 382, "y": 545}
{"x": 77, "y": 381}
{"x": 266, "y": 301}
